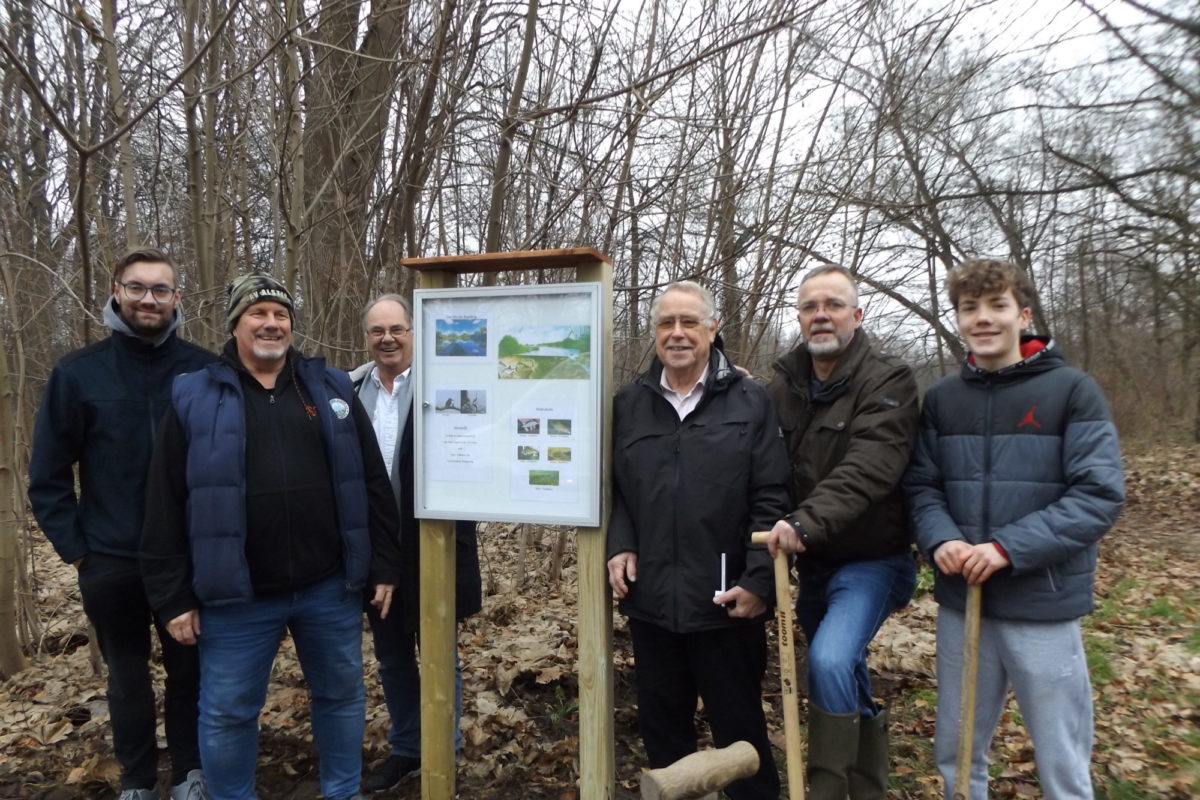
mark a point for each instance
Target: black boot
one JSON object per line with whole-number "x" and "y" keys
{"x": 869, "y": 773}
{"x": 832, "y": 752}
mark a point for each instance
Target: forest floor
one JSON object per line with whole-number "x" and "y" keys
{"x": 520, "y": 718}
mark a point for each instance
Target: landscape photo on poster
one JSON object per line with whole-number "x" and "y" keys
{"x": 460, "y": 336}
{"x": 542, "y": 352}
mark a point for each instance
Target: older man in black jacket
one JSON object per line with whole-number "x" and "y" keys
{"x": 699, "y": 464}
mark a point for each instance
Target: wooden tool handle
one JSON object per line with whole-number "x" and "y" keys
{"x": 701, "y": 773}
{"x": 970, "y": 679}
{"x": 785, "y": 616}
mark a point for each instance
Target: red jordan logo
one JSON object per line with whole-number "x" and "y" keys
{"x": 1028, "y": 419}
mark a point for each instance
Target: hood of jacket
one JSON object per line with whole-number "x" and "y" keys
{"x": 112, "y": 318}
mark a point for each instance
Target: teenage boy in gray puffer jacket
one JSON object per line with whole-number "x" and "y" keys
{"x": 1016, "y": 476}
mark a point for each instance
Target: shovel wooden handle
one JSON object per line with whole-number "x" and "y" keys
{"x": 970, "y": 680}
{"x": 784, "y": 614}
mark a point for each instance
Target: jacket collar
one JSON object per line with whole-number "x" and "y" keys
{"x": 1042, "y": 353}
{"x": 721, "y": 374}
{"x": 796, "y": 367}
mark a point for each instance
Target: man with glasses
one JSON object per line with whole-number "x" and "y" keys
{"x": 385, "y": 386}
{"x": 849, "y": 414}
{"x": 698, "y": 465}
{"x": 99, "y": 410}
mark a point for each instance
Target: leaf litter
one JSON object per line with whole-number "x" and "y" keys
{"x": 520, "y": 716}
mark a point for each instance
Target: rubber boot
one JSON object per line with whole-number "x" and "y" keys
{"x": 869, "y": 774}
{"x": 832, "y": 752}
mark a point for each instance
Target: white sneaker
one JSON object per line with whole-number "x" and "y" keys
{"x": 194, "y": 787}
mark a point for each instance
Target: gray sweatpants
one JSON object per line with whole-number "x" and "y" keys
{"x": 1045, "y": 665}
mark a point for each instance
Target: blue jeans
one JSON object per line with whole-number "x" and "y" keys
{"x": 399, "y": 675}
{"x": 238, "y": 644}
{"x": 841, "y": 610}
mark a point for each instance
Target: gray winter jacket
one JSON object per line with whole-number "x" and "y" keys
{"x": 1027, "y": 457}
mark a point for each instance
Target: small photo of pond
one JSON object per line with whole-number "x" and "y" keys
{"x": 526, "y": 453}
{"x": 460, "y": 337}
{"x": 543, "y": 477}
{"x": 558, "y": 454}
{"x": 555, "y": 352}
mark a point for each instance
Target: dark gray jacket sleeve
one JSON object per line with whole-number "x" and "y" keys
{"x": 923, "y": 488}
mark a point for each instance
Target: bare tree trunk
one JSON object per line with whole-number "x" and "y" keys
{"x": 117, "y": 92}
{"x": 508, "y": 128}
{"x": 12, "y": 659}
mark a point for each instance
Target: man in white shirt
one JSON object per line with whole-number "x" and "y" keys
{"x": 385, "y": 386}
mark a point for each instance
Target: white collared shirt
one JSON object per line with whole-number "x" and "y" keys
{"x": 387, "y": 417}
{"x": 683, "y": 403}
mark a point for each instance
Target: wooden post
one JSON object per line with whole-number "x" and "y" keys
{"x": 596, "y": 758}
{"x": 597, "y": 761}
{"x": 438, "y": 629}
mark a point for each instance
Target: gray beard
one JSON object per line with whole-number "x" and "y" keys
{"x": 265, "y": 354}
{"x": 832, "y": 348}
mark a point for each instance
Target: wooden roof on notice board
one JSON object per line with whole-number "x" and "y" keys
{"x": 516, "y": 260}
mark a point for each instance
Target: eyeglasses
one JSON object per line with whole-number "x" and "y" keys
{"x": 834, "y": 306}
{"x": 396, "y": 331}
{"x": 136, "y": 291}
{"x": 669, "y": 323}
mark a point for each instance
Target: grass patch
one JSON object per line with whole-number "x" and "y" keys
{"x": 1162, "y": 609}
{"x": 1099, "y": 650}
{"x": 1110, "y": 606}
{"x": 1119, "y": 790}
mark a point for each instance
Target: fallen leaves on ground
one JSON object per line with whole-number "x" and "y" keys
{"x": 520, "y": 720}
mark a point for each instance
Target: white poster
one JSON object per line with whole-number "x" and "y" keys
{"x": 508, "y": 392}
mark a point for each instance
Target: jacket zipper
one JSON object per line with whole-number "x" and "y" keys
{"x": 985, "y": 517}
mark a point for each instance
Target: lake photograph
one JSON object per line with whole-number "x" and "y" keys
{"x": 546, "y": 352}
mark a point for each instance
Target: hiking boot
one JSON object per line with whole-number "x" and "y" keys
{"x": 193, "y": 787}
{"x": 394, "y": 770}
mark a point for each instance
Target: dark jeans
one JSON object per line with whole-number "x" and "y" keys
{"x": 725, "y": 668}
{"x": 115, "y": 602}
{"x": 400, "y": 676}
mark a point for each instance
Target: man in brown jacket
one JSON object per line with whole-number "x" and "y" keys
{"x": 849, "y": 415}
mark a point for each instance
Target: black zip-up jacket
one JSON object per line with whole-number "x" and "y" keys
{"x": 100, "y": 409}
{"x": 688, "y": 490}
{"x": 850, "y": 444}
